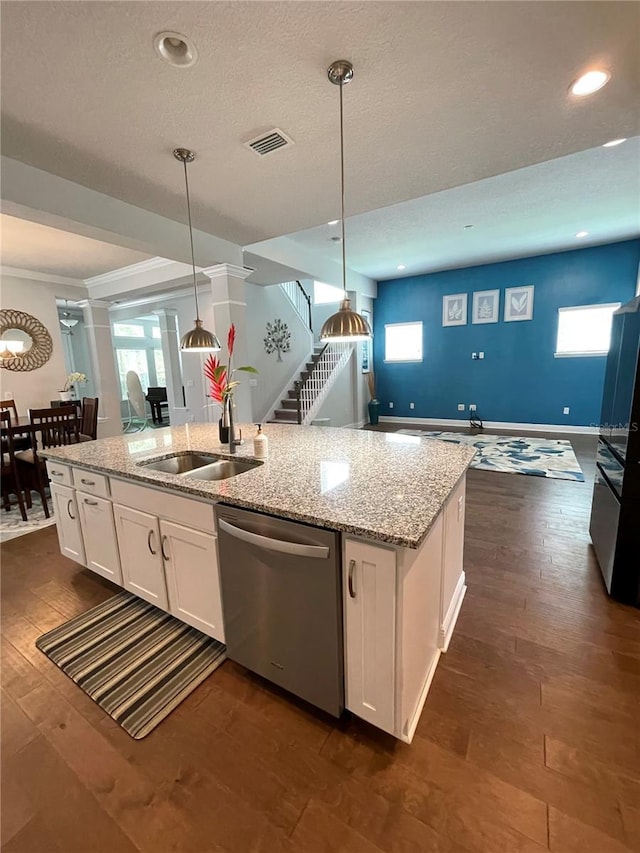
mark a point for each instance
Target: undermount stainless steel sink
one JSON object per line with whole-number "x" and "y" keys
{"x": 201, "y": 466}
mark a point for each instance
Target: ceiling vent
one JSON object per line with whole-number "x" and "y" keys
{"x": 269, "y": 142}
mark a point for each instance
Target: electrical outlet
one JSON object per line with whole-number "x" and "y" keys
{"x": 480, "y": 355}
{"x": 253, "y": 383}
{"x": 189, "y": 383}
{"x": 565, "y": 411}
{"x": 391, "y": 405}
{"x": 474, "y": 356}
{"x": 472, "y": 407}
{"x": 412, "y": 405}
{"x": 461, "y": 407}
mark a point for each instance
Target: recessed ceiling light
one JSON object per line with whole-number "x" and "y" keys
{"x": 175, "y": 49}
{"x": 582, "y": 234}
{"x": 589, "y": 83}
{"x": 614, "y": 142}
{"x": 333, "y": 222}
{"x": 401, "y": 267}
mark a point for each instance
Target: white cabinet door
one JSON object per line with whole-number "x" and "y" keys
{"x": 193, "y": 578}
{"x": 369, "y": 594}
{"x": 453, "y": 579}
{"x": 140, "y": 556}
{"x": 99, "y": 534}
{"x": 65, "y": 510}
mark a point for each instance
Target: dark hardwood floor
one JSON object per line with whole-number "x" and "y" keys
{"x": 529, "y": 739}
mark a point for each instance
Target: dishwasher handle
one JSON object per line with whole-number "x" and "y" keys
{"x": 297, "y": 549}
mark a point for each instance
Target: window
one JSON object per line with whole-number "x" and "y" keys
{"x": 403, "y": 342}
{"x": 128, "y": 330}
{"x": 155, "y": 332}
{"x": 132, "y": 359}
{"x": 325, "y": 293}
{"x": 584, "y": 330}
{"x": 161, "y": 378}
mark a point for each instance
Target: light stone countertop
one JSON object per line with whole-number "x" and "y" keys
{"x": 382, "y": 486}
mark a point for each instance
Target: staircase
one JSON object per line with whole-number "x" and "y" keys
{"x": 307, "y": 393}
{"x": 288, "y": 413}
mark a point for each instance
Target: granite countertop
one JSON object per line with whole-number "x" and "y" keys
{"x": 383, "y": 486}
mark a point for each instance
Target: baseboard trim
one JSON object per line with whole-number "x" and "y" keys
{"x": 356, "y": 425}
{"x": 458, "y": 422}
{"x": 449, "y": 623}
{"x": 409, "y": 729}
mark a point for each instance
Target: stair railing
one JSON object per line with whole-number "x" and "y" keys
{"x": 300, "y": 299}
{"x": 310, "y": 392}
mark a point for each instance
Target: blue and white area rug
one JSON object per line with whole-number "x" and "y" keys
{"x": 538, "y": 457}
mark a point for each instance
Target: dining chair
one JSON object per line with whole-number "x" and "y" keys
{"x": 89, "y": 422}
{"x": 9, "y": 472}
{"x": 19, "y": 442}
{"x": 55, "y": 427}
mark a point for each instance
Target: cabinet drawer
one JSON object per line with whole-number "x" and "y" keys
{"x": 165, "y": 504}
{"x": 58, "y": 473}
{"x": 88, "y": 481}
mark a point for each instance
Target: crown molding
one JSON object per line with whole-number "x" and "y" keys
{"x": 221, "y": 270}
{"x": 126, "y": 272}
{"x": 161, "y": 296}
{"x": 47, "y": 278}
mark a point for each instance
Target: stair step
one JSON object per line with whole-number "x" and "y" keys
{"x": 289, "y": 404}
{"x": 286, "y": 415}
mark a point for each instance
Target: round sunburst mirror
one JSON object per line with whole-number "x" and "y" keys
{"x": 25, "y": 344}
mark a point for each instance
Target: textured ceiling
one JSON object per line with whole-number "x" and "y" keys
{"x": 444, "y": 94}
{"x": 530, "y": 211}
{"x": 28, "y": 245}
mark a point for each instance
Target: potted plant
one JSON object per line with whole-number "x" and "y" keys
{"x": 223, "y": 384}
{"x": 374, "y": 403}
{"x": 67, "y": 391}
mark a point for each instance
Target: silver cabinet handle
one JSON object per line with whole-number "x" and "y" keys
{"x": 69, "y": 513}
{"x": 87, "y": 482}
{"x": 90, "y": 503}
{"x": 298, "y": 550}
{"x": 352, "y": 590}
{"x": 162, "y": 541}
{"x": 149, "y": 537}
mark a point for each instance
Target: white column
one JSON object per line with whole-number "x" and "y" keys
{"x": 103, "y": 366}
{"x": 230, "y": 306}
{"x": 172, "y": 366}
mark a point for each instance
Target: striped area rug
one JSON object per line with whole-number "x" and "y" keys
{"x": 136, "y": 661}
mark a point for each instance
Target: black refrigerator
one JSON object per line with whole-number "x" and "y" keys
{"x": 615, "y": 513}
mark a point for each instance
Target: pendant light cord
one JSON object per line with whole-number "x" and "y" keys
{"x": 344, "y": 248}
{"x": 193, "y": 259}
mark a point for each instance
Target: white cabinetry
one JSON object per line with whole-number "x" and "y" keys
{"x": 193, "y": 578}
{"x": 65, "y": 510}
{"x": 453, "y": 579}
{"x": 99, "y": 535}
{"x": 392, "y": 605}
{"x": 140, "y": 555}
{"x": 369, "y": 618}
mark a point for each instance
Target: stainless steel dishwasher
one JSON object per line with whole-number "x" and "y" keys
{"x": 282, "y": 603}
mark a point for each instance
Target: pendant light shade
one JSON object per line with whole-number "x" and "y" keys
{"x": 347, "y": 325}
{"x": 198, "y": 339}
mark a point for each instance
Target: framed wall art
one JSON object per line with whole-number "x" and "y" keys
{"x": 454, "y": 309}
{"x": 366, "y": 346}
{"x": 518, "y": 303}
{"x": 486, "y": 306}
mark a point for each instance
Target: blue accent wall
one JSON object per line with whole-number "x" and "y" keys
{"x": 519, "y": 380}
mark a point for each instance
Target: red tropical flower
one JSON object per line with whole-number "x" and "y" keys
{"x": 216, "y": 373}
{"x": 231, "y": 339}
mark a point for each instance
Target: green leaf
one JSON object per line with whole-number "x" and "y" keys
{"x": 248, "y": 369}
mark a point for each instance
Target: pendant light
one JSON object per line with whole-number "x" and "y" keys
{"x": 67, "y": 320}
{"x": 198, "y": 339}
{"x": 346, "y": 325}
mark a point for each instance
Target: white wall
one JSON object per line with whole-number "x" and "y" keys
{"x": 266, "y": 304}
{"x": 34, "y": 388}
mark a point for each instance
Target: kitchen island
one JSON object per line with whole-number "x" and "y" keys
{"x": 395, "y": 501}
